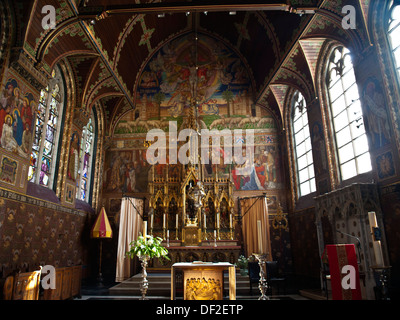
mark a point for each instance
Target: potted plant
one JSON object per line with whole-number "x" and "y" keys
{"x": 243, "y": 265}
{"x": 145, "y": 248}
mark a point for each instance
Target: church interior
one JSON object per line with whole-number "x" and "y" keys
{"x": 292, "y": 110}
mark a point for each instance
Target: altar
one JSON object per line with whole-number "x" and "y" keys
{"x": 206, "y": 251}
{"x": 204, "y": 280}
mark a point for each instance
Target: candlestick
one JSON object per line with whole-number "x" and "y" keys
{"x": 263, "y": 284}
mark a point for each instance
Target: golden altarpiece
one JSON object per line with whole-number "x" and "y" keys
{"x": 193, "y": 212}
{"x": 192, "y": 209}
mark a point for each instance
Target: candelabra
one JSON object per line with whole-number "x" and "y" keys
{"x": 263, "y": 285}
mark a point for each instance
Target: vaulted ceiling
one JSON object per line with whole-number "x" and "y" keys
{"x": 108, "y": 42}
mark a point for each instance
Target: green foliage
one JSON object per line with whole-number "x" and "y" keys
{"x": 242, "y": 262}
{"x": 148, "y": 246}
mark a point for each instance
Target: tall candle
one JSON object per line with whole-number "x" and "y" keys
{"x": 152, "y": 220}
{"x": 144, "y": 230}
{"x": 259, "y": 235}
{"x": 164, "y": 220}
{"x": 217, "y": 220}
{"x": 376, "y": 244}
{"x": 167, "y": 234}
{"x": 230, "y": 221}
{"x": 205, "y": 221}
{"x": 177, "y": 220}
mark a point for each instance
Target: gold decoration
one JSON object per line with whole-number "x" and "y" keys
{"x": 202, "y": 289}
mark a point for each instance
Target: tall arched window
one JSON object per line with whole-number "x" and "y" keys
{"x": 86, "y": 160}
{"x": 47, "y": 132}
{"x": 302, "y": 146}
{"x": 394, "y": 35}
{"x": 347, "y": 117}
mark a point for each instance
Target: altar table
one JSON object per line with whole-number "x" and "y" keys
{"x": 204, "y": 280}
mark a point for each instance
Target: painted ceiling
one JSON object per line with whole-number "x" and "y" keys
{"x": 278, "y": 47}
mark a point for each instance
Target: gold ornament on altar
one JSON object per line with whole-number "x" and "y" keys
{"x": 202, "y": 289}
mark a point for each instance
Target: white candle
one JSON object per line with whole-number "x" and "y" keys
{"x": 152, "y": 220}
{"x": 164, "y": 220}
{"x": 177, "y": 220}
{"x": 230, "y": 221}
{"x": 376, "y": 244}
{"x": 215, "y": 234}
{"x": 260, "y": 246}
{"x": 217, "y": 220}
{"x": 144, "y": 230}
{"x": 167, "y": 234}
{"x": 205, "y": 221}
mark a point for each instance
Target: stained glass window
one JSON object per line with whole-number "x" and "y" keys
{"x": 86, "y": 158}
{"x": 44, "y": 152}
{"x": 394, "y": 35}
{"x": 347, "y": 117}
{"x": 302, "y": 146}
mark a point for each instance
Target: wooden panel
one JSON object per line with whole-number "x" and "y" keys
{"x": 66, "y": 284}
{"x": 8, "y": 288}
{"x": 76, "y": 280}
{"x": 55, "y": 294}
{"x": 27, "y": 286}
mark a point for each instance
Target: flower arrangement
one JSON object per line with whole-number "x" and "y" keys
{"x": 147, "y": 246}
{"x": 243, "y": 264}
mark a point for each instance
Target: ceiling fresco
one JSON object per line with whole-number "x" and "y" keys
{"x": 109, "y": 44}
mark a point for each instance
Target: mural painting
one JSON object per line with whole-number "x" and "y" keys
{"x": 385, "y": 165}
{"x": 377, "y": 118}
{"x": 126, "y": 171}
{"x": 17, "y": 108}
{"x": 223, "y": 93}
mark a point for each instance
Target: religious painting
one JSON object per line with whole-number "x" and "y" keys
{"x": 69, "y": 193}
{"x": 73, "y": 161}
{"x": 17, "y": 107}
{"x": 376, "y": 113}
{"x": 385, "y": 165}
{"x": 126, "y": 171}
{"x": 8, "y": 170}
{"x": 179, "y": 69}
{"x": 223, "y": 91}
{"x": 319, "y": 150}
{"x": 264, "y": 174}
{"x": 176, "y": 73}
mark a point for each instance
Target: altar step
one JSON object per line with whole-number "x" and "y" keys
{"x": 160, "y": 285}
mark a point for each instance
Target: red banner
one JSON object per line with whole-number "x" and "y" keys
{"x": 345, "y": 277}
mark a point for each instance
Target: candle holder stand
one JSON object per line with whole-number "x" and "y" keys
{"x": 263, "y": 285}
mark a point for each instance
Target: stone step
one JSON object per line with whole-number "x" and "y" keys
{"x": 160, "y": 285}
